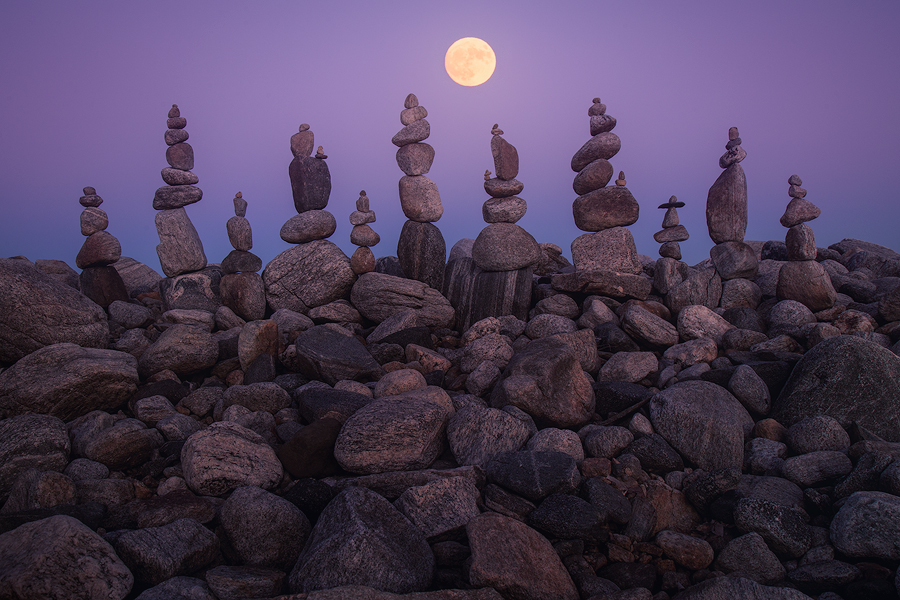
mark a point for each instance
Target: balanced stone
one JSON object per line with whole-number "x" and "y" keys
{"x": 93, "y": 219}
{"x": 505, "y": 247}
{"x": 240, "y": 205}
{"x": 604, "y": 208}
{"x": 308, "y": 275}
{"x": 670, "y": 250}
{"x": 420, "y": 199}
{"x": 734, "y": 260}
{"x": 176, "y": 196}
{"x": 310, "y": 183}
{"x": 180, "y": 249}
{"x": 417, "y": 131}
{"x": 671, "y": 217}
{"x": 608, "y": 250}
{"x": 726, "y": 203}
{"x": 506, "y": 157}
{"x": 602, "y": 123}
{"x": 308, "y": 226}
{"x": 800, "y": 242}
{"x": 674, "y": 233}
{"x": 239, "y": 233}
{"x": 593, "y": 177}
{"x": 603, "y": 145}
{"x": 411, "y": 101}
{"x": 302, "y": 142}
{"x": 238, "y": 261}
{"x": 799, "y": 210}
{"x": 411, "y": 115}
{"x": 175, "y": 136}
{"x": 362, "y": 261}
{"x": 597, "y": 108}
{"x": 363, "y": 235}
{"x": 422, "y": 251}
{"x": 362, "y": 203}
{"x": 180, "y": 156}
{"x": 415, "y": 159}
{"x": 503, "y": 210}
{"x": 501, "y": 188}
{"x": 99, "y": 249}
{"x": 178, "y": 177}
{"x": 361, "y": 218}
{"x": 90, "y": 198}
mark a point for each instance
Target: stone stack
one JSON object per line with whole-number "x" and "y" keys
{"x": 726, "y": 215}
{"x": 669, "y": 270}
{"x": 802, "y": 278}
{"x": 99, "y": 280}
{"x": 496, "y": 280}
{"x": 605, "y": 258}
{"x": 421, "y": 249}
{"x": 241, "y": 287}
{"x": 315, "y": 271}
{"x": 363, "y": 261}
{"x": 188, "y": 283}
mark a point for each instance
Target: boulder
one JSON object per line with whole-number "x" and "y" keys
{"x": 476, "y": 433}
{"x": 726, "y": 206}
{"x": 31, "y": 442}
{"x": 377, "y": 296}
{"x": 308, "y": 275}
{"x": 866, "y": 526}
{"x": 477, "y": 294}
{"x": 194, "y": 291}
{"x": 505, "y": 247}
{"x": 611, "y": 249}
{"x": 155, "y": 554}
{"x": 441, "y": 506}
{"x": 421, "y": 251}
{"x": 605, "y": 208}
{"x": 310, "y": 183}
{"x": 328, "y": 355}
{"x": 183, "y": 349}
{"x": 806, "y": 281}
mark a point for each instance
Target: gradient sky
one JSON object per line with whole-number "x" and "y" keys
{"x": 812, "y": 85}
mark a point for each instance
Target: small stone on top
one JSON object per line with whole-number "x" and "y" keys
{"x": 495, "y": 130}
{"x": 240, "y": 205}
{"x": 733, "y": 133}
{"x": 672, "y": 203}
{"x": 174, "y": 112}
{"x": 597, "y": 108}
{"x": 621, "y": 180}
{"x": 362, "y": 204}
{"x": 304, "y": 127}
{"x": 411, "y": 101}
{"x": 89, "y": 191}
{"x": 795, "y": 180}
{"x": 320, "y": 153}
{"x": 487, "y": 175}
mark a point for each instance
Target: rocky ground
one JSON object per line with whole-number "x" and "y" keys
{"x": 741, "y": 447}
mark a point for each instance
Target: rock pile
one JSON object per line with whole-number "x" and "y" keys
{"x": 496, "y": 279}
{"x": 315, "y": 271}
{"x": 802, "y": 278}
{"x": 363, "y": 261}
{"x": 726, "y": 215}
{"x": 606, "y": 258}
{"x": 99, "y": 281}
{"x": 241, "y": 287}
{"x": 421, "y": 249}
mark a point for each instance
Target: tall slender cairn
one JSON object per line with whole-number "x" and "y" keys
{"x": 242, "y": 287}
{"x": 496, "y": 280}
{"x": 421, "y": 249}
{"x": 363, "y": 260}
{"x": 315, "y": 271}
{"x": 188, "y": 283}
{"x": 726, "y": 215}
{"x": 605, "y": 258}
{"x": 802, "y": 278}
{"x": 670, "y": 271}
{"x": 99, "y": 279}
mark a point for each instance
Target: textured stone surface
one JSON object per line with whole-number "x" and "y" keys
{"x": 604, "y": 208}
{"x": 612, "y": 249}
{"x": 308, "y": 275}
{"x": 155, "y": 554}
{"x": 31, "y": 442}
{"x": 377, "y": 296}
{"x": 441, "y": 506}
{"x": 310, "y": 183}
{"x": 726, "y": 206}
{"x": 603, "y": 145}
{"x": 476, "y": 434}
{"x": 183, "y": 349}
{"x": 322, "y": 353}
{"x": 866, "y": 526}
{"x": 415, "y": 159}
{"x": 593, "y": 177}
{"x": 421, "y": 251}
{"x": 477, "y": 294}
{"x": 505, "y": 247}
{"x": 807, "y": 282}
{"x": 308, "y": 226}
{"x": 420, "y": 199}
{"x": 180, "y": 249}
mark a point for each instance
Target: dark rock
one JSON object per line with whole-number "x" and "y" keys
{"x": 421, "y": 251}
{"x": 593, "y": 177}
{"x": 155, "y": 554}
{"x": 604, "y": 208}
{"x": 196, "y": 291}
{"x": 630, "y": 575}
{"x": 183, "y": 349}
{"x": 327, "y": 355}
{"x": 378, "y": 296}
{"x": 723, "y": 588}
{"x": 702, "y": 287}
{"x": 782, "y": 527}
{"x": 505, "y": 247}
{"x": 310, "y": 452}
{"x": 103, "y": 285}
{"x": 476, "y": 434}
{"x": 750, "y": 556}
{"x": 726, "y": 206}
{"x": 806, "y": 281}
{"x": 442, "y": 507}
{"x": 237, "y": 583}
{"x": 308, "y": 275}
{"x": 569, "y": 517}
{"x": 734, "y": 260}
{"x": 655, "y": 454}
{"x": 316, "y": 401}
{"x": 534, "y": 475}
{"x": 477, "y": 294}
{"x": 180, "y": 156}
{"x": 866, "y": 526}
{"x": 311, "y": 496}
{"x": 176, "y": 196}
{"x": 611, "y": 502}
{"x": 310, "y": 183}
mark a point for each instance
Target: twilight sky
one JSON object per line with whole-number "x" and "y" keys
{"x": 812, "y": 85}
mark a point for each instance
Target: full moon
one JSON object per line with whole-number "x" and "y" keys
{"x": 470, "y": 61}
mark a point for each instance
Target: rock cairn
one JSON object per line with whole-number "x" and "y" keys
{"x": 363, "y": 261}
{"x": 669, "y": 270}
{"x": 421, "y": 249}
{"x": 726, "y": 215}
{"x": 802, "y": 278}
{"x": 315, "y": 271}
{"x": 99, "y": 280}
{"x": 241, "y": 287}
{"x": 605, "y": 258}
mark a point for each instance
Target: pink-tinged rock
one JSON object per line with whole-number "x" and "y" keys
{"x": 308, "y": 275}
{"x": 734, "y": 260}
{"x": 302, "y": 143}
{"x": 308, "y": 226}
{"x": 692, "y": 352}
{"x": 800, "y": 242}
{"x": 180, "y": 156}
{"x": 500, "y": 188}
{"x": 604, "y": 283}
{"x": 421, "y": 250}
{"x": 93, "y": 219}
{"x": 503, "y": 210}
{"x": 603, "y": 145}
{"x": 726, "y": 206}
{"x": 516, "y": 560}
{"x": 611, "y": 249}
{"x": 604, "y": 208}
{"x": 310, "y": 183}
{"x": 362, "y": 261}
{"x": 628, "y": 366}
{"x": 178, "y": 177}
{"x": 799, "y": 210}
{"x": 506, "y": 158}
{"x": 420, "y": 199}
{"x": 99, "y": 249}
{"x": 593, "y": 177}
{"x": 245, "y": 294}
{"x": 176, "y": 196}
{"x": 675, "y": 233}
{"x": 417, "y": 131}
{"x": 103, "y": 285}
{"x": 697, "y": 321}
{"x": 602, "y": 123}
{"x": 806, "y": 282}
{"x": 180, "y": 249}
{"x": 691, "y": 552}
{"x": 415, "y": 159}
{"x": 175, "y": 136}
{"x": 505, "y": 247}
{"x": 363, "y": 235}
{"x": 408, "y": 116}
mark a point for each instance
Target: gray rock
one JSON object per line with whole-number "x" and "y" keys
{"x": 36, "y": 310}
{"x": 308, "y": 275}
{"x": 800, "y": 242}
{"x": 477, "y": 294}
{"x": 420, "y": 199}
{"x": 750, "y": 390}
{"x": 377, "y": 296}
{"x": 178, "y": 588}
{"x": 499, "y": 188}
{"x": 506, "y": 158}
{"x": 740, "y": 292}
{"x": 734, "y": 259}
{"x": 606, "y": 442}
{"x": 241, "y": 262}
{"x": 703, "y": 422}
{"x": 503, "y": 210}
{"x": 782, "y": 527}
{"x": 693, "y": 352}
{"x": 534, "y": 475}
{"x": 605, "y": 208}
{"x": 37, "y": 558}
{"x": 698, "y": 321}
{"x": 308, "y": 226}
{"x": 178, "y": 427}
{"x": 605, "y": 283}
{"x": 691, "y": 552}
{"x": 415, "y": 131}
{"x": 176, "y": 196}
{"x": 724, "y": 588}
{"x": 611, "y": 249}
{"x": 866, "y": 526}
{"x": 556, "y": 440}
{"x": 440, "y": 507}
{"x": 245, "y": 294}
{"x": 31, "y": 442}
{"x": 360, "y": 539}
{"x": 58, "y": 270}
{"x": 515, "y": 560}
{"x": 750, "y": 556}
{"x": 603, "y": 145}
{"x": 126, "y": 444}
{"x": 84, "y": 468}
{"x": 546, "y": 381}
{"x": 128, "y": 315}
{"x": 816, "y": 468}
{"x": 99, "y": 249}
{"x": 325, "y": 354}
{"x": 655, "y": 454}
{"x": 505, "y": 247}
{"x": 817, "y": 433}
{"x": 35, "y": 489}
{"x": 848, "y": 378}
{"x": 628, "y": 366}
{"x": 726, "y": 206}
{"x": 310, "y": 183}
{"x": 668, "y": 273}
{"x": 476, "y": 434}
{"x": 545, "y": 325}
{"x": 155, "y": 554}
{"x": 648, "y": 328}
{"x": 182, "y": 349}
{"x": 225, "y": 456}
{"x": 421, "y": 251}
{"x": 180, "y": 249}
{"x": 265, "y": 530}
{"x": 67, "y": 381}
{"x": 193, "y": 291}
{"x": 237, "y": 583}
{"x": 394, "y": 433}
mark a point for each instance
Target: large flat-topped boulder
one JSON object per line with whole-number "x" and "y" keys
{"x": 378, "y": 296}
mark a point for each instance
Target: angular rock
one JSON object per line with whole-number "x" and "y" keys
{"x": 308, "y": 275}
{"x": 155, "y": 554}
{"x": 806, "y": 282}
{"x": 183, "y": 349}
{"x": 698, "y": 321}
{"x": 420, "y": 199}
{"x": 476, "y": 434}
{"x": 734, "y": 260}
{"x": 441, "y": 506}
{"x": 721, "y": 588}
{"x": 750, "y": 556}
{"x": 245, "y": 294}
{"x": 534, "y": 475}
{"x": 477, "y": 294}
{"x": 31, "y": 442}
{"x": 648, "y": 328}
{"x": 866, "y": 526}
{"x": 564, "y": 516}
{"x": 612, "y": 249}
{"x": 327, "y": 355}
{"x": 377, "y": 296}
{"x": 180, "y": 249}
{"x": 782, "y": 527}
{"x": 506, "y": 158}
{"x": 703, "y": 287}
{"x": 193, "y": 291}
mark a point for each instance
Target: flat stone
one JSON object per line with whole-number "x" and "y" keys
{"x": 604, "y": 283}
{"x": 136, "y": 274}
{"x": 182, "y": 349}
{"x": 649, "y": 328}
{"x": 816, "y": 468}
{"x": 308, "y": 226}
{"x": 416, "y": 131}
{"x": 325, "y": 354}
{"x": 310, "y": 183}
{"x": 593, "y": 177}
{"x": 420, "y": 199}
{"x": 308, "y": 275}
{"x": 503, "y": 210}
{"x": 415, "y": 159}
{"x": 505, "y": 247}
{"x": 421, "y": 251}
{"x": 697, "y": 321}
{"x": 377, "y": 296}
{"x": 603, "y": 145}
{"x": 628, "y": 366}
{"x": 675, "y": 233}
{"x": 726, "y": 206}
{"x": 178, "y": 177}
{"x": 237, "y": 583}
{"x": 90, "y": 200}
{"x": 501, "y": 188}
{"x": 604, "y": 208}
{"x": 180, "y": 249}
{"x": 412, "y": 114}
{"x": 534, "y": 475}
{"x": 611, "y": 249}
{"x": 176, "y": 196}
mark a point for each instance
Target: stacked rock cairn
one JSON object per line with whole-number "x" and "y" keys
{"x": 669, "y": 270}
{"x": 99, "y": 280}
{"x": 802, "y": 278}
{"x": 180, "y": 249}
{"x": 606, "y": 258}
{"x": 421, "y": 249}
{"x": 241, "y": 287}
{"x": 363, "y": 261}
{"x": 726, "y": 215}
{"x": 315, "y": 271}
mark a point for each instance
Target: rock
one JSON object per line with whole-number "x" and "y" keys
{"x": 703, "y": 287}
{"x": 245, "y": 294}
{"x": 265, "y": 396}
{"x": 316, "y": 400}
{"x": 750, "y": 390}
{"x": 800, "y": 243}
{"x": 604, "y": 208}
{"x": 416, "y": 131}
{"x": 327, "y": 355}
{"x": 564, "y": 516}
{"x": 155, "y": 554}
{"x": 655, "y": 454}
{"x": 415, "y": 159}
{"x": 866, "y": 526}
{"x": 534, "y": 475}
{"x": 237, "y": 583}
{"x": 178, "y": 177}
{"x": 606, "y": 283}
{"x": 628, "y": 366}
{"x": 693, "y": 553}
{"x": 498, "y": 188}
{"x": 31, "y": 442}
{"x": 476, "y": 434}
{"x": 782, "y": 527}
{"x": 180, "y": 249}
{"x": 693, "y": 352}
{"x": 505, "y": 247}
{"x": 264, "y": 529}
{"x": 183, "y": 349}
{"x": 703, "y": 422}
{"x": 127, "y": 444}
{"x": 308, "y": 226}
{"x": 302, "y": 142}
{"x": 593, "y": 176}
{"x": 848, "y": 378}
{"x": 750, "y": 556}
{"x": 225, "y": 456}
{"x": 308, "y": 275}
{"x": 734, "y": 260}
{"x": 37, "y": 559}
{"x": 722, "y": 588}
{"x": 545, "y": 325}
{"x": 310, "y": 451}
{"x": 67, "y": 381}
{"x": 648, "y": 328}
{"x": 551, "y": 439}
{"x": 179, "y": 588}
{"x": 740, "y": 292}
{"x": 176, "y": 196}
{"x": 420, "y": 199}
{"x": 607, "y": 442}
{"x": 478, "y": 294}
{"x": 421, "y": 251}
{"x": 361, "y": 539}
{"x": 193, "y": 291}
{"x": 180, "y": 156}
{"x": 726, "y": 206}
{"x": 377, "y": 296}
{"x": 611, "y": 249}
{"x": 58, "y": 270}
{"x": 36, "y": 310}
{"x": 441, "y": 506}
{"x": 816, "y": 468}
{"x": 102, "y": 285}
{"x": 503, "y": 210}
{"x": 697, "y": 321}
{"x": 806, "y": 282}
{"x": 99, "y": 249}
{"x": 612, "y": 503}
{"x": 506, "y": 158}
{"x": 819, "y": 433}
{"x": 603, "y": 145}
{"x": 310, "y": 183}
{"x": 515, "y": 560}
{"x": 799, "y": 210}
{"x": 35, "y": 489}
{"x": 546, "y": 381}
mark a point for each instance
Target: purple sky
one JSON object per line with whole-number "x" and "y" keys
{"x": 812, "y": 85}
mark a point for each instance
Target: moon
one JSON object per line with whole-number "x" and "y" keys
{"x": 470, "y": 61}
